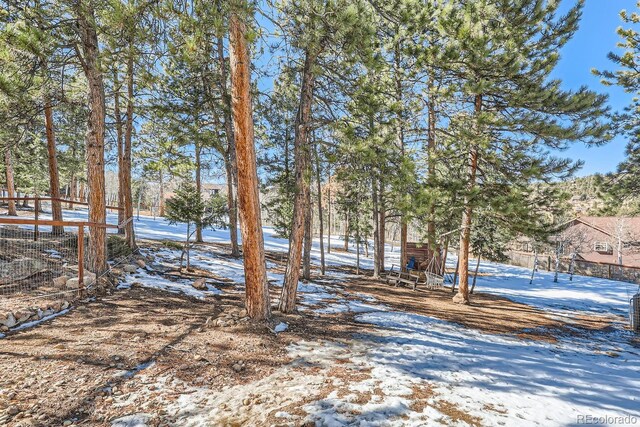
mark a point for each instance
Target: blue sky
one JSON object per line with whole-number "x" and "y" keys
{"x": 588, "y": 49}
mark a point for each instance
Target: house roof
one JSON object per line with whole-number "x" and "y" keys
{"x": 608, "y": 224}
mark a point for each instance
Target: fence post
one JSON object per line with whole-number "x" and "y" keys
{"x": 80, "y": 260}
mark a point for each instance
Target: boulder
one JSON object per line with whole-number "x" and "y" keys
{"x": 23, "y": 315}
{"x": 89, "y": 278}
{"x": 200, "y": 284}
{"x": 130, "y": 268}
{"x": 60, "y": 282}
{"x": 8, "y": 319}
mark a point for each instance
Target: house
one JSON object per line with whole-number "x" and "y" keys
{"x": 602, "y": 240}
{"x": 594, "y": 246}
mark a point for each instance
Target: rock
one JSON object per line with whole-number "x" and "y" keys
{"x": 246, "y": 402}
{"x": 23, "y": 315}
{"x": 89, "y": 278}
{"x": 200, "y": 284}
{"x": 72, "y": 283}
{"x": 237, "y": 367}
{"x": 141, "y": 263}
{"x": 460, "y": 299}
{"x": 8, "y": 319}
{"x": 60, "y": 282}
{"x": 44, "y": 313}
{"x": 130, "y": 268}
{"x": 12, "y": 410}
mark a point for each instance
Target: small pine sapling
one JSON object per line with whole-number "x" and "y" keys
{"x": 187, "y": 206}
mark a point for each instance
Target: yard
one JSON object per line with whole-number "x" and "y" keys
{"x": 159, "y": 352}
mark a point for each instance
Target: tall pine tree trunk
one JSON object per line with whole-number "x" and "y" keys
{"x": 256, "y": 287}
{"x": 73, "y": 190}
{"x": 329, "y": 209}
{"x": 308, "y": 238}
{"x": 403, "y": 242}
{"x": 231, "y": 166}
{"x": 90, "y": 59}
{"x": 382, "y": 227}
{"x": 401, "y": 145}
{"x": 301, "y": 148}
{"x": 475, "y": 275}
{"x": 120, "y": 146}
{"x": 320, "y": 219}
{"x": 198, "y": 188}
{"x": 125, "y": 176}
{"x": 445, "y": 253}
{"x": 346, "y": 232}
{"x": 431, "y": 165}
{"x": 54, "y": 179}
{"x": 11, "y": 187}
{"x": 161, "y": 197}
{"x": 376, "y": 228}
{"x": 462, "y": 297}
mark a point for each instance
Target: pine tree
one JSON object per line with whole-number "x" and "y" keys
{"x": 512, "y": 110}
{"x": 257, "y": 290}
{"x": 625, "y": 184}
{"x": 314, "y": 26}
{"x": 188, "y": 206}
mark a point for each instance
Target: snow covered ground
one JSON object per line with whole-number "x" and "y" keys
{"x": 419, "y": 370}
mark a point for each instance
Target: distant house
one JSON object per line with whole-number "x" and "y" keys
{"x": 209, "y": 190}
{"x": 603, "y": 240}
{"x": 599, "y": 246}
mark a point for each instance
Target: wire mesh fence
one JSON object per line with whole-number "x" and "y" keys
{"x": 43, "y": 263}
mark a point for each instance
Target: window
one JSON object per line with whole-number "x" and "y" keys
{"x": 602, "y": 247}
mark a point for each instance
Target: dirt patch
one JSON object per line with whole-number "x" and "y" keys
{"x": 420, "y": 397}
{"x": 488, "y": 313}
{"x": 456, "y": 414}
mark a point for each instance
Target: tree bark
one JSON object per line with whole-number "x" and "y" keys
{"x": 401, "y": 145}
{"x": 431, "y": 164}
{"x": 198, "y": 149}
{"x": 161, "y": 202}
{"x": 445, "y": 253}
{"x": 125, "y": 176}
{"x": 403, "y": 242}
{"x": 308, "y": 238}
{"x": 301, "y": 148}
{"x": 376, "y": 228}
{"x": 54, "y": 179}
{"x": 73, "y": 190}
{"x": 231, "y": 165}
{"x": 11, "y": 187}
{"x": 320, "y": 219}
{"x": 346, "y": 232}
{"x": 462, "y": 297}
{"x": 256, "y": 287}
{"x": 475, "y": 275}
{"x": 90, "y": 59}
{"x": 382, "y": 227}
{"x": 329, "y": 210}
{"x": 120, "y": 145}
